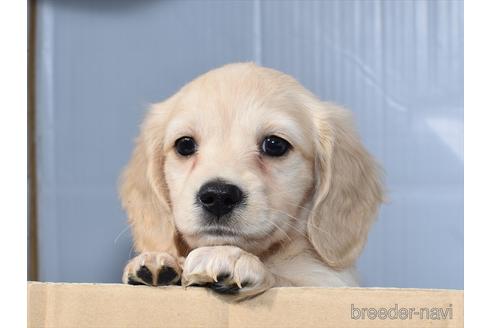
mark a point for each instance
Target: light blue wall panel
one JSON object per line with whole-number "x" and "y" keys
{"x": 398, "y": 65}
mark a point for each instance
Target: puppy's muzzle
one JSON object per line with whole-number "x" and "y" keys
{"x": 219, "y": 198}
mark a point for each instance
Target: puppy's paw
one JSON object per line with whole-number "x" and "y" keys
{"x": 152, "y": 269}
{"x": 227, "y": 270}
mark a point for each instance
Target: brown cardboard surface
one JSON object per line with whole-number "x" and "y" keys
{"x": 116, "y": 305}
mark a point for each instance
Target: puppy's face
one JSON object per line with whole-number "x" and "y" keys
{"x": 239, "y": 159}
{"x": 245, "y": 156}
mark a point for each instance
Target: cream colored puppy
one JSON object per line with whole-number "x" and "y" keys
{"x": 244, "y": 180}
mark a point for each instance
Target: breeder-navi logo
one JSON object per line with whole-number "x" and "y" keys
{"x": 401, "y": 313}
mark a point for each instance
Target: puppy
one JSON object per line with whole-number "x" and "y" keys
{"x": 244, "y": 180}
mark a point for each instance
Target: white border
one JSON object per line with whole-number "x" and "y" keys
{"x": 13, "y": 172}
{"x": 13, "y": 182}
{"x": 478, "y": 162}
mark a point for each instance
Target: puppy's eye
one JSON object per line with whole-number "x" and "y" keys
{"x": 275, "y": 146}
{"x": 185, "y": 146}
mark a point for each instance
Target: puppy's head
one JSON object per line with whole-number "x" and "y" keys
{"x": 245, "y": 156}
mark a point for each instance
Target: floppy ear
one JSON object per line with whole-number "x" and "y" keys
{"x": 348, "y": 191}
{"x": 143, "y": 189}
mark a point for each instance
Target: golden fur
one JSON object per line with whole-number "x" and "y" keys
{"x": 308, "y": 213}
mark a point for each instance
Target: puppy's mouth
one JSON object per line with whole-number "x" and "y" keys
{"x": 219, "y": 231}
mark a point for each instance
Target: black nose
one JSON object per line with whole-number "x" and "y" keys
{"x": 219, "y": 198}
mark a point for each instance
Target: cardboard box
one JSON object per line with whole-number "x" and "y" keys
{"x": 115, "y": 305}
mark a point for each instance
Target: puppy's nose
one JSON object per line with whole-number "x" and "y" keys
{"x": 219, "y": 198}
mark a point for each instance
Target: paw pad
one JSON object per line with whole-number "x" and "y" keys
{"x": 144, "y": 276}
{"x": 166, "y": 275}
{"x": 222, "y": 287}
{"x": 225, "y": 285}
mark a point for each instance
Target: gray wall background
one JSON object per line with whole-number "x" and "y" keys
{"x": 398, "y": 65}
